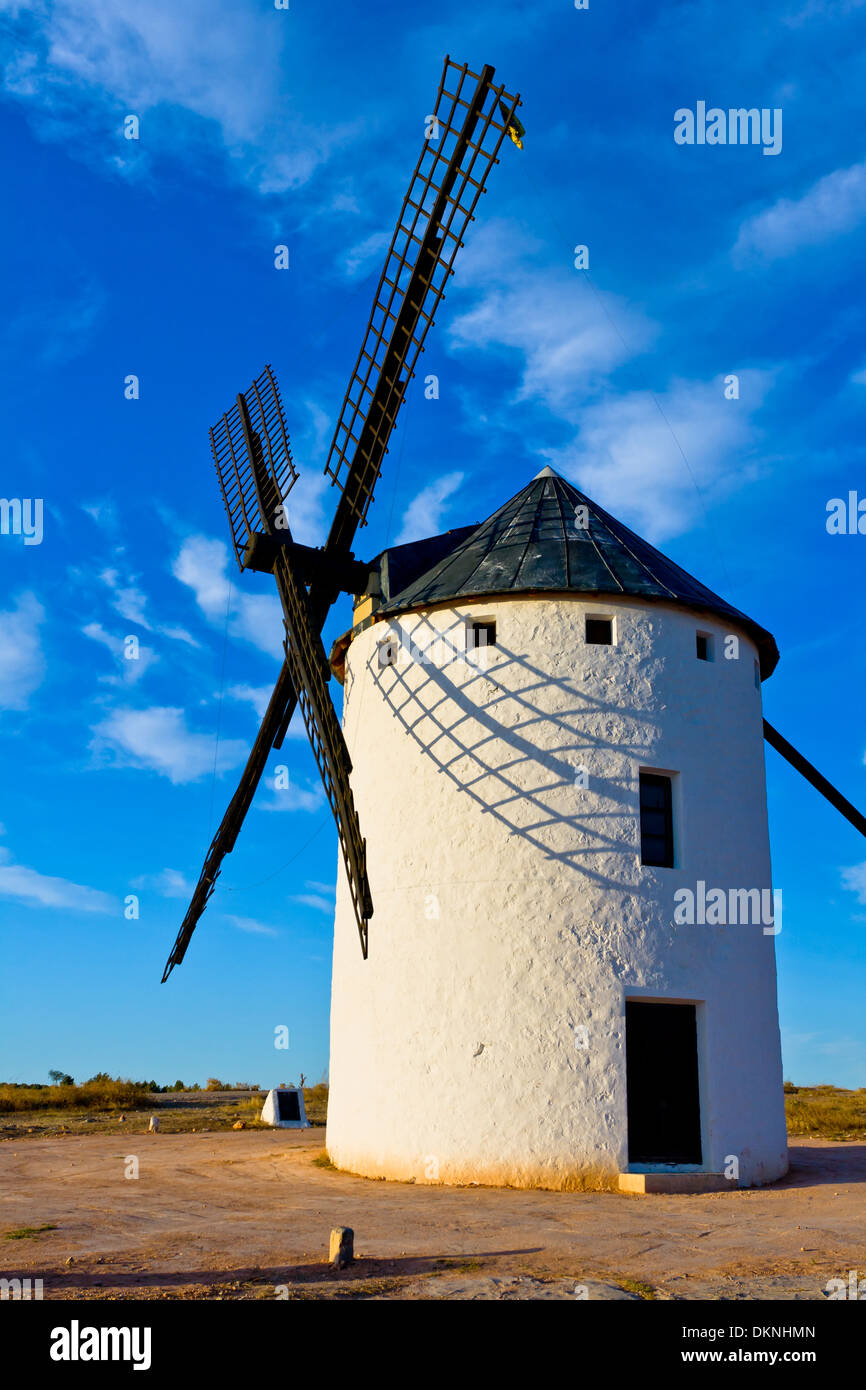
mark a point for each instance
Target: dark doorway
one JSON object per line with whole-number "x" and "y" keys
{"x": 664, "y": 1110}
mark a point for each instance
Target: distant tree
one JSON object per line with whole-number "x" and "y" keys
{"x": 178, "y": 1086}
{"x": 101, "y": 1076}
{"x": 213, "y": 1084}
{"x": 61, "y": 1078}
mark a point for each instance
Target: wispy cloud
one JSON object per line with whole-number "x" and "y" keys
{"x": 157, "y": 739}
{"x": 854, "y": 879}
{"x": 56, "y": 328}
{"x": 202, "y": 565}
{"x": 131, "y": 602}
{"x": 628, "y": 447}
{"x": 130, "y": 668}
{"x": 367, "y": 254}
{"x": 565, "y": 340}
{"x": 249, "y": 924}
{"x": 297, "y": 796}
{"x": 103, "y": 512}
{"x": 169, "y": 883}
{"x": 423, "y": 516}
{"x": 82, "y": 66}
{"x": 315, "y": 900}
{"x": 834, "y": 205}
{"x": 22, "y": 663}
{"x": 35, "y": 889}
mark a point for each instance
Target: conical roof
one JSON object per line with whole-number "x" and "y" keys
{"x": 539, "y": 543}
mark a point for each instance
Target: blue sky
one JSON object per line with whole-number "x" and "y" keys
{"x": 155, "y": 257}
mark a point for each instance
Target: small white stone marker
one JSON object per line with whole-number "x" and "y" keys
{"x": 153, "y": 1127}
{"x": 342, "y": 1251}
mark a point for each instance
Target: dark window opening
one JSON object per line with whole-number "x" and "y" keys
{"x": 482, "y": 634}
{"x": 288, "y": 1106}
{"x": 656, "y": 821}
{"x": 662, "y": 1088}
{"x": 757, "y": 676}
{"x": 599, "y": 632}
{"x": 703, "y": 647}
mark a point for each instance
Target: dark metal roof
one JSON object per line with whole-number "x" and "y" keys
{"x": 532, "y": 544}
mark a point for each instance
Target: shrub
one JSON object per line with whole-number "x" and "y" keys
{"x": 98, "y": 1094}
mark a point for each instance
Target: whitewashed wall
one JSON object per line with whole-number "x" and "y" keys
{"x": 454, "y": 1053}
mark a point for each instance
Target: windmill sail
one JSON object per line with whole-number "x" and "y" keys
{"x": 470, "y": 119}
{"x": 253, "y": 460}
{"x": 813, "y": 776}
{"x": 308, "y": 666}
{"x": 223, "y": 842}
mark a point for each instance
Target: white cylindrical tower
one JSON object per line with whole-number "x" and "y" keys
{"x": 561, "y": 825}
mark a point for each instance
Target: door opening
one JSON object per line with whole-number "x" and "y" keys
{"x": 664, "y": 1109}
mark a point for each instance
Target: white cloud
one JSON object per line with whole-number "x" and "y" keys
{"x": 22, "y": 664}
{"x": 295, "y": 797}
{"x": 34, "y": 889}
{"x": 568, "y": 338}
{"x": 103, "y": 513}
{"x": 315, "y": 900}
{"x": 131, "y": 602}
{"x": 321, "y": 887}
{"x": 249, "y": 924}
{"x": 85, "y": 64}
{"x": 201, "y": 565}
{"x": 255, "y": 695}
{"x": 159, "y": 740}
{"x": 169, "y": 883}
{"x": 131, "y": 668}
{"x": 626, "y": 455}
{"x": 832, "y": 206}
{"x": 854, "y": 879}
{"x": 367, "y": 254}
{"x": 423, "y": 516}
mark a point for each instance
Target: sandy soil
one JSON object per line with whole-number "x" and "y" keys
{"x": 247, "y": 1214}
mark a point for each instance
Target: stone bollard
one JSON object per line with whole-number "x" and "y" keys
{"x": 342, "y": 1251}
{"x": 153, "y": 1127}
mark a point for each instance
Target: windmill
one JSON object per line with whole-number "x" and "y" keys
{"x": 471, "y": 117}
{"x": 533, "y": 1013}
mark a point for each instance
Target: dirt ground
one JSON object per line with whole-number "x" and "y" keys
{"x": 247, "y": 1214}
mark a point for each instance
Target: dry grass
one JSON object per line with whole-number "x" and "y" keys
{"x": 92, "y": 1095}
{"x": 34, "y": 1111}
{"x": 826, "y": 1112}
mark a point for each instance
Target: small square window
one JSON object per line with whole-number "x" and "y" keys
{"x": 599, "y": 632}
{"x": 481, "y": 634}
{"x": 704, "y": 646}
